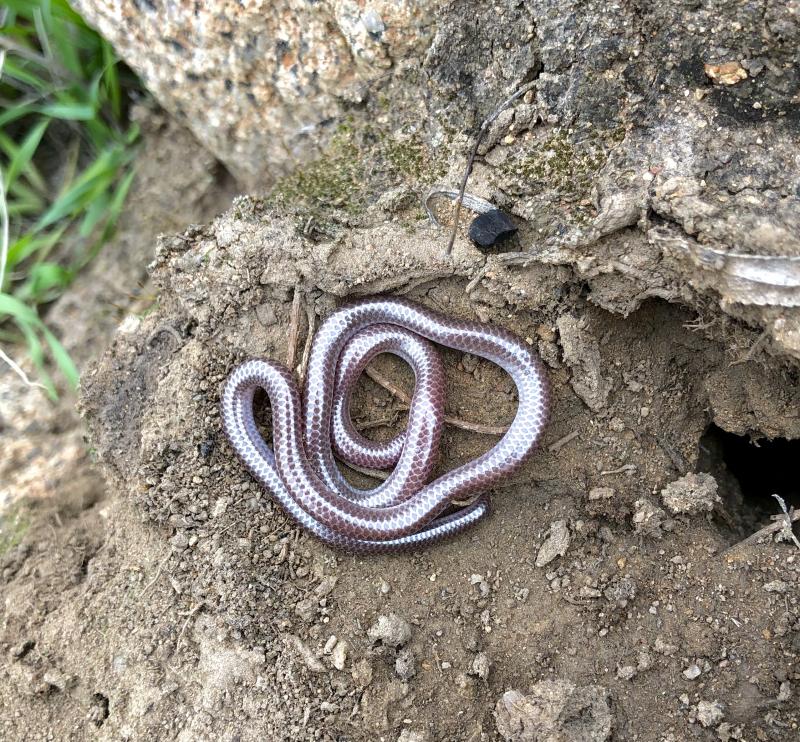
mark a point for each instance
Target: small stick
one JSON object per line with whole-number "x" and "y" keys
{"x": 481, "y": 132}
{"x": 561, "y": 442}
{"x": 381, "y": 380}
{"x": 622, "y": 470}
{"x": 186, "y": 623}
{"x": 374, "y": 473}
{"x": 778, "y": 525}
{"x": 294, "y": 329}
{"x": 311, "y": 317}
{"x": 158, "y": 574}
{"x": 787, "y": 521}
{"x": 361, "y": 427}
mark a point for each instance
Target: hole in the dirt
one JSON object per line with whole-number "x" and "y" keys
{"x": 761, "y": 468}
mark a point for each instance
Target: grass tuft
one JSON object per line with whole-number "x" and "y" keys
{"x": 66, "y": 165}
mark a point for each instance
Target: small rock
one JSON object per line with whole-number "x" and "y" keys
{"x": 220, "y": 506}
{"x": 628, "y": 672}
{"x": 390, "y": 630}
{"x": 265, "y": 314}
{"x": 554, "y": 710}
{"x": 692, "y": 672}
{"x": 310, "y": 659}
{"x": 647, "y": 518}
{"x": 556, "y": 543}
{"x": 396, "y": 199}
{"x": 662, "y": 647}
{"x": 776, "y": 586}
{"x": 481, "y": 666}
{"x": 601, "y": 493}
{"x": 339, "y": 654}
{"x": 491, "y": 228}
{"x": 179, "y": 541}
{"x": 56, "y": 679}
{"x": 405, "y": 665}
{"x": 727, "y": 732}
{"x": 621, "y": 591}
{"x": 306, "y": 609}
{"x": 330, "y": 644}
{"x": 709, "y": 714}
{"x": 728, "y": 73}
{"x": 407, "y": 735}
{"x": 326, "y": 585}
{"x": 691, "y": 494}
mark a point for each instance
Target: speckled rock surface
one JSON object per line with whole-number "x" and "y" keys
{"x": 258, "y": 82}
{"x": 658, "y": 148}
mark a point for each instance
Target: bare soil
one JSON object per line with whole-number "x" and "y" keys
{"x": 181, "y": 603}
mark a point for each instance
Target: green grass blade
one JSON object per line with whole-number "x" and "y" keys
{"x": 36, "y": 353}
{"x": 30, "y": 244}
{"x": 14, "y": 70}
{"x": 111, "y": 80}
{"x": 78, "y": 194}
{"x": 21, "y": 161}
{"x": 68, "y": 111}
{"x": 17, "y": 310}
{"x": 61, "y": 357}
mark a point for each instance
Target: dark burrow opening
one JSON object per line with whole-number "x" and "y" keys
{"x": 750, "y": 471}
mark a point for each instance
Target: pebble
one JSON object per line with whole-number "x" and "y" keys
{"x": 709, "y": 714}
{"x": 776, "y": 586}
{"x": 691, "y": 494}
{"x": 491, "y": 228}
{"x": 266, "y": 315}
{"x": 339, "y": 654}
{"x": 407, "y": 735}
{"x": 362, "y": 673}
{"x": 692, "y": 672}
{"x": 481, "y": 666}
{"x": 391, "y": 630}
{"x": 628, "y": 672}
{"x": 556, "y": 543}
{"x": 55, "y": 679}
{"x": 405, "y": 665}
{"x": 179, "y": 541}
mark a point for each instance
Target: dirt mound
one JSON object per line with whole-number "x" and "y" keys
{"x": 633, "y": 597}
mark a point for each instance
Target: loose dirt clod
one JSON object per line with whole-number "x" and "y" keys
{"x": 554, "y": 710}
{"x": 391, "y": 630}
{"x": 691, "y": 494}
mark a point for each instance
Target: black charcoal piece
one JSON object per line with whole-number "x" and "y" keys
{"x": 491, "y": 228}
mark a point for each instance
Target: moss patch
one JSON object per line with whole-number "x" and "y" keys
{"x": 360, "y": 162}
{"x": 335, "y": 180}
{"x": 562, "y": 164}
{"x": 14, "y": 524}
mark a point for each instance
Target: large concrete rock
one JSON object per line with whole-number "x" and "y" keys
{"x": 255, "y": 80}
{"x": 657, "y": 151}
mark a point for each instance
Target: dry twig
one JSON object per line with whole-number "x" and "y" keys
{"x": 778, "y": 525}
{"x": 456, "y": 422}
{"x": 471, "y": 161}
{"x": 294, "y": 329}
{"x": 311, "y": 317}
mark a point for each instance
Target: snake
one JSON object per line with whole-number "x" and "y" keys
{"x": 406, "y": 511}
